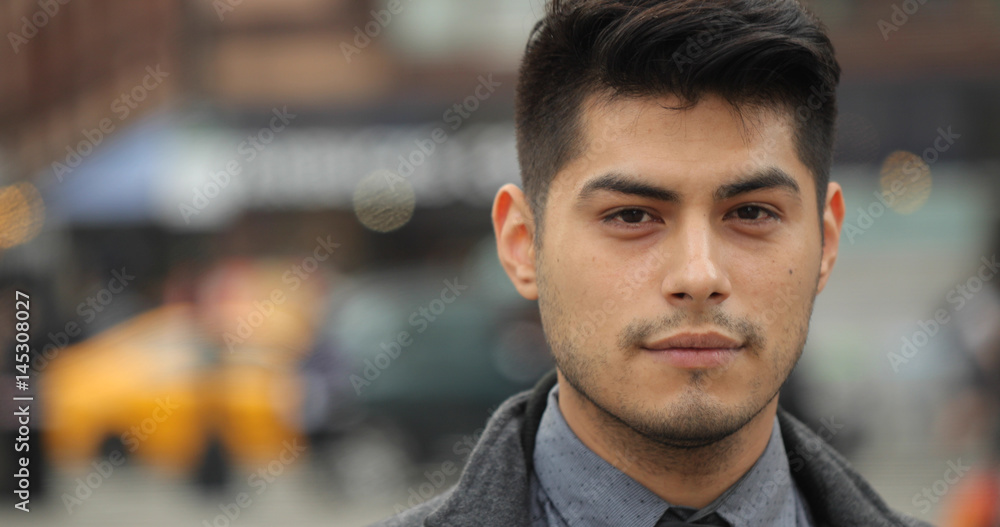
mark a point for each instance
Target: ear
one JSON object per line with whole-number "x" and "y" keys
{"x": 833, "y": 219}
{"x": 514, "y": 226}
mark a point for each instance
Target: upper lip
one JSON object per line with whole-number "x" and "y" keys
{"x": 711, "y": 340}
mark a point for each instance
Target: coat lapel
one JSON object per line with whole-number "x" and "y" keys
{"x": 493, "y": 489}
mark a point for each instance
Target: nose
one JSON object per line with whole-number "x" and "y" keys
{"x": 695, "y": 277}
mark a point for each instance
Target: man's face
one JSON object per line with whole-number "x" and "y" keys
{"x": 679, "y": 260}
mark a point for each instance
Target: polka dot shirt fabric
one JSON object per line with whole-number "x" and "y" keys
{"x": 571, "y": 486}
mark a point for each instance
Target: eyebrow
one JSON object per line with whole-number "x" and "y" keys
{"x": 620, "y": 183}
{"x": 765, "y": 178}
{"x": 623, "y": 184}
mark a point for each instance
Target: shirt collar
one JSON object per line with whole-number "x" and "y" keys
{"x": 587, "y": 490}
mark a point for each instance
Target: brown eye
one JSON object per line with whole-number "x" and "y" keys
{"x": 751, "y": 213}
{"x": 632, "y": 215}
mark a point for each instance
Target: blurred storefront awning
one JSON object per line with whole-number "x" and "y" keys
{"x": 112, "y": 182}
{"x": 172, "y": 173}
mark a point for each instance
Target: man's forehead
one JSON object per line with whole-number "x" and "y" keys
{"x": 644, "y": 137}
{"x": 605, "y": 117}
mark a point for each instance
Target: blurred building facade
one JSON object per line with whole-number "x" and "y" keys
{"x": 181, "y": 139}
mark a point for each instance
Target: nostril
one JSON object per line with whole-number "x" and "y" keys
{"x": 687, "y": 296}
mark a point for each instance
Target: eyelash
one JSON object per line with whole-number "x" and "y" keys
{"x": 613, "y": 217}
{"x": 773, "y": 216}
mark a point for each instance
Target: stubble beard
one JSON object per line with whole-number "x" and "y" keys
{"x": 695, "y": 426}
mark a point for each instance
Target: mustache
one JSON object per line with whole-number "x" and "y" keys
{"x": 640, "y": 331}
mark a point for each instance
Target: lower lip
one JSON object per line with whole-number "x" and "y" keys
{"x": 694, "y": 358}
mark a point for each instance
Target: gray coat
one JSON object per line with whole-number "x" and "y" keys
{"x": 493, "y": 488}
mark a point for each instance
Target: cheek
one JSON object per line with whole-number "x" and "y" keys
{"x": 777, "y": 278}
{"x": 616, "y": 283}
{"x": 587, "y": 294}
{"x": 784, "y": 306}
{"x": 581, "y": 271}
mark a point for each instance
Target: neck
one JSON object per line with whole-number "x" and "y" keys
{"x": 690, "y": 477}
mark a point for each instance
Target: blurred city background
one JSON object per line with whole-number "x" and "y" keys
{"x": 263, "y": 288}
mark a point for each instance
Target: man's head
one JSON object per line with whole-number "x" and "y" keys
{"x": 675, "y": 157}
{"x": 753, "y": 53}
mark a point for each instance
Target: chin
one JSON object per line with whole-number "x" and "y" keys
{"x": 690, "y": 426}
{"x": 691, "y": 415}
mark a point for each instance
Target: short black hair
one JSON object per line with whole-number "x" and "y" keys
{"x": 764, "y": 54}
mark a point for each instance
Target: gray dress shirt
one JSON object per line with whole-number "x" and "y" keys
{"x": 572, "y": 486}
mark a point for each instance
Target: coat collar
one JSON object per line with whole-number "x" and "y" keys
{"x": 493, "y": 488}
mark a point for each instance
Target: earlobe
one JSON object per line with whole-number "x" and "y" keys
{"x": 833, "y": 220}
{"x": 514, "y": 229}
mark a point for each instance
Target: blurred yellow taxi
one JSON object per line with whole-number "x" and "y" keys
{"x": 171, "y": 386}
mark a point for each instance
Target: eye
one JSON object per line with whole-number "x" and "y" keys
{"x": 754, "y": 214}
{"x": 629, "y": 216}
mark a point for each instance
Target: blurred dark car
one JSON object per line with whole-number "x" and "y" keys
{"x": 426, "y": 355}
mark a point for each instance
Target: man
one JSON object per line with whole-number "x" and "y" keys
{"x": 676, "y": 223}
